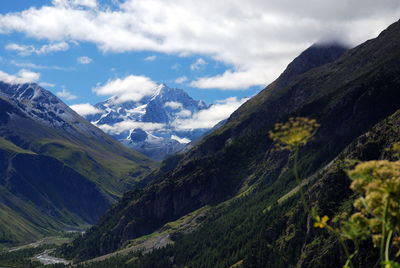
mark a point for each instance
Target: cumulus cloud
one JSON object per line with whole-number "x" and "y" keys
{"x": 127, "y": 125}
{"x": 46, "y": 84}
{"x": 5, "y": 77}
{"x": 210, "y": 117}
{"x": 66, "y": 94}
{"x": 23, "y": 76}
{"x": 84, "y": 60}
{"x": 256, "y": 38}
{"x": 234, "y": 80}
{"x": 173, "y": 105}
{"x": 131, "y": 87}
{"x": 26, "y": 50}
{"x": 29, "y": 76}
{"x": 150, "y": 58}
{"x": 181, "y": 79}
{"x": 198, "y": 64}
{"x": 85, "y": 109}
{"x": 45, "y": 49}
{"x": 76, "y": 3}
{"x": 184, "y": 113}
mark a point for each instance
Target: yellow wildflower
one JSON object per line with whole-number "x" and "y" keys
{"x": 321, "y": 223}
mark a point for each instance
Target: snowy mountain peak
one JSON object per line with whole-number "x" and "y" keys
{"x": 28, "y": 91}
{"x": 147, "y": 125}
{"x": 42, "y": 106}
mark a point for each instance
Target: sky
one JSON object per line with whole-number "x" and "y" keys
{"x": 222, "y": 52}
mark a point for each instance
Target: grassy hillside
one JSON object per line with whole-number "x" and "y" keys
{"x": 269, "y": 228}
{"x": 56, "y": 173}
{"x": 238, "y": 160}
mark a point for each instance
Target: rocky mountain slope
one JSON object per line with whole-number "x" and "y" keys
{"x": 255, "y": 218}
{"x": 153, "y": 129}
{"x": 57, "y": 170}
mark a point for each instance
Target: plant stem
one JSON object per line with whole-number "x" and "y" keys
{"x": 384, "y": 229}
{"x": 388, "y": 245}
{"x": 296, "y": 175}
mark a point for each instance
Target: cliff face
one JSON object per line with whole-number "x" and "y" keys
{"x": 347, "y": 97}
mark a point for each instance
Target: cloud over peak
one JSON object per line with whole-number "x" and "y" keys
{"x": 23, "y": 76}
{"x": 208, "y": 118}
{"x": 65, "y": 94}
{"x": 85, "y": 109}
{"x": 131, "y": 87}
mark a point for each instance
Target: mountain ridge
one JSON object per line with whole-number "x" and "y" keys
{"x": 57, "y": 170}
{"x": 158, "y": 113}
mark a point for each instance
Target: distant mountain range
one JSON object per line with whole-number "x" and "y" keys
{"x": 149, "y": 125}
{"x": 57, "y": 171}
{"x": 232, "y": 199}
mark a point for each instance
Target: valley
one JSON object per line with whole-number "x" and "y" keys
{"x": 305, "y": 172}
{"x": 249, "y": 186}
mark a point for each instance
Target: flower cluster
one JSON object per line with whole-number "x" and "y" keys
{"x": 294, "y": 133}
{"x": 378, "y": 182}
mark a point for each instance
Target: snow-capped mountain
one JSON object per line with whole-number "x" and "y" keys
{"x": 41, "y": 105}
{"x": 149, "y": 125}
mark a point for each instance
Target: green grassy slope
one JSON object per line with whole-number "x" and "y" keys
{"x": 238, "y": 157}
{"x": 257, "y": 230}
{"x": 21, "y": 221}
{"x": 57, "y": 177}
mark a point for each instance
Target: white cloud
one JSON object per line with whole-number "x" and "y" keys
{"x": 198, "y": 64}
{"x": 85, "y": 109}
{"x": 234, "y": 80}
{"x": 46, "y": 84}
{"x": 75, "y": 3}
{"x": 66, "y": 94}
{"x": 131, "y": 87}
{"x": 29, "y": 76}
{"x": 84, "y": 60}
{"x": 36, "y": 66}
{"x": 180, "y": 140}
{"x": 257, "y": 38}
{"x": 126, "y": 125}
{"x": 26, "y": 50}
{"x": 210, "y": 117}
{"x": 23, "y": 76}
{"x": 150, "y": 58}
{"x": 173, "y": 105}
{"x": 21, "y": 49}
{"x": 45, "y": 49}
{"x": 184, "y": 113}
{"x": 8, "y": 78}
{"x": 27, "y": 65}
{"x": 181, "y": 79}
